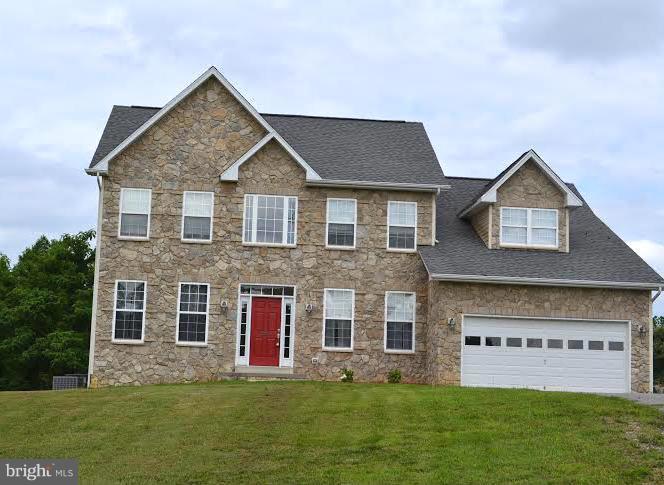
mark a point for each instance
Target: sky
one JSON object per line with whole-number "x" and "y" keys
{"x": 580, "y": 81}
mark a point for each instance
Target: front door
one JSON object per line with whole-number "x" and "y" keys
{"x": 265, "y": 329}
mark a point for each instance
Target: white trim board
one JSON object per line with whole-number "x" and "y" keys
{"x": 516, "y": 280}
{"x": 490, "y": 196}
{"x": 101, "y": 167}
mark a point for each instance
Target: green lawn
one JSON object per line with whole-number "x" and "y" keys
{"x": 310, "y": 432}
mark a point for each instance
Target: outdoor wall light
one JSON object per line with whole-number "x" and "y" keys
{"x": 309, "y": 308}
{"x": 642, "y": 331}
{"x": 451, "y": 322}
{"x": 224, "y": 305}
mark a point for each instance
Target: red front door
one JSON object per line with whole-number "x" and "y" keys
{"x": 265, "y": 329}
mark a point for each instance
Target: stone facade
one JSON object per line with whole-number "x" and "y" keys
{"x": 187, "y": 150}
{"x": 529, "y": 187}
{"x": 453, "y": 300}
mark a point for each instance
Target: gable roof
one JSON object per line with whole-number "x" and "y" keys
{"x": 597, "y": 256}
{"x": 341, "y": 151}
{"x": 488, "y": 194}
{"x": 101, "y": 165}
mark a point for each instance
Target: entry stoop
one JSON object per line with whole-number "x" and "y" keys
{"x": 260, "y": 373}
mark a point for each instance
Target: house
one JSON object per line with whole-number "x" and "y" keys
{"x": 234, "y": 243}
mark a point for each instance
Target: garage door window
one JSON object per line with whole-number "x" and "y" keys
{"x": 473, "y": 340}
{"x": 492, "y": 341}
{"x": 619, "y": 346}
{"x": 514, "y": 342}
{"x": 534, "y": 343}
{"x": 554, "y": 343}
{"x": 575, "y": 344}
{"x": 595, "y": 345}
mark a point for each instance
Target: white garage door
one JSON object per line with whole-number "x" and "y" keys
{"x": 557, "y": 355}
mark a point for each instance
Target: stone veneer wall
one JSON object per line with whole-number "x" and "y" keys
{"x": 187, "y": 150}
{"x": 529, "y": 187}
{"x": 456, "y": 299}
{"x": 480, "y": 222}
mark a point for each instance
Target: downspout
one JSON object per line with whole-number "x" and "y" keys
{"x": 95, "y": 289}
{"x": 659, "y": 292}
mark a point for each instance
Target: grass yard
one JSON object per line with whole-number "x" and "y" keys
{"x": 312, "y": 432}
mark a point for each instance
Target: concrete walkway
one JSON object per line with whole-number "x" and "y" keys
{"x": 655, "y": 400}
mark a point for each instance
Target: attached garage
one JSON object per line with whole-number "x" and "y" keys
{"x": 546, "y": 354}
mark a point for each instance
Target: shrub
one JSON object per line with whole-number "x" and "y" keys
{"x": 394, "y": 377}
{"x": 346, "y": 375}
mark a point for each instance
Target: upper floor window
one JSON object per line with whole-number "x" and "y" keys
{"x": 339, "y": 310}
{"x": 193, "y": 305}
{"x": 341, "y": 220}
{"x": 401, "y": 225}
{"x": 529, "y": 227}
{"x": 129, "y": 311}
{"x": 270, "y": 220}
{"x": 399, "y": 321}
{"x": 135, "y": 213}
{"x": 197, "y": 210}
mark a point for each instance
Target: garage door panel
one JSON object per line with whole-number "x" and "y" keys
{"x": 590, "y": 368}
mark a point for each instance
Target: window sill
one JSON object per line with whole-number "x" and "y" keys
{"x": 196, "y": 241}
{"x": 337, "y": 349}
{"x": 399, "y": 352}
{"x": 130, "y": 238}
{"x": 191, "y": 344}
{"x": 128, "y": 342}
{"x": 395, "y": 250}
{"x": 340, "y": 248}
{"x": 269, "y": 245}
{"x": 527, "y": 246}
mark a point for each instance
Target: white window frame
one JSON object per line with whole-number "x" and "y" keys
{"x": 149, "y": 214}
{"x": 399, "y": 351}
{"x": 401, "y": 250}
{"x": 529, "y": 228}
{"x": 352, "y": 321}
{"x": 115, "y": 310}
{"x": 327, "y": 224}
{"x": 184, "y": 199}
{"x": 254, "y": 220}
{"x": 185, "y": 343}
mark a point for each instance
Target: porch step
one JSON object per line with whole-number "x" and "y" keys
{"x": 262, "y": 373}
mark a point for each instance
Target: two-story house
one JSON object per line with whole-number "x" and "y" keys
{"x": 232, "y": 243}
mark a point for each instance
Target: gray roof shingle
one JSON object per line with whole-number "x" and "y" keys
{"x": 596, "y": 252}
{"x": 336, "y": 148}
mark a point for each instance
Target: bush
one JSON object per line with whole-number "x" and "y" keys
{"x": 394, "y": 377}
{"x": 346, "y": 375}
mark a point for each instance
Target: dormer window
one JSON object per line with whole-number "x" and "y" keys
{"x": 525, "y": 227}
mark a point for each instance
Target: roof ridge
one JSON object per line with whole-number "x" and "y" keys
{"x": 467, "y": 178}
{"x": 337, "y": 118}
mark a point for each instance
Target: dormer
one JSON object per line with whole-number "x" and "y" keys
{"x": 525, "y": 207}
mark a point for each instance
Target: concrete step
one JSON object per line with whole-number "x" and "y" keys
{"x": 263, "y": 373}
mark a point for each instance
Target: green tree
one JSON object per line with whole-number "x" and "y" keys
{"x": 45, "y": 309}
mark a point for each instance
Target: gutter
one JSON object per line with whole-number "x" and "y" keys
{"x": 511, "y": 280}
{"x": 353, "y": 184}
{"x": 659, "y": 292}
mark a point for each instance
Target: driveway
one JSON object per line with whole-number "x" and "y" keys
{"x": 655, "y": 400}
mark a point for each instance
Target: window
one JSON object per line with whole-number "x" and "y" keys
{"x": 244, "y": 320}
{"x": 129, "y": 312}
{"x": 193, "y": 313}
{"x": 575, "y": 344}
{"x": 473, "y": 340}
{"x": 595, "y": 345}
{"x": 134, "y": 213}
{"x": 618, "y": 346}
{"x": 514, "y": 342}
{"x": 534, "y": 343}
{"x": 554, "y": 343}
{"x": 288, "y": 324}
{"x": 270, "y": 220}
{"x": 399, "y": 321}
{"x": 401, "y": 225}
{"x": 197, "y": 210}
{"x": 492, "y": 341}
{"x": 339, "y": 308}
{"x": 341, "y": 220}
{"x": 529, "y": 227}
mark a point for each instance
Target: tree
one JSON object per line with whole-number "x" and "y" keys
{"x": 45, "y": 310}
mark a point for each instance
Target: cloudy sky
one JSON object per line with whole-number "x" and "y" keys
{"x": 581, "y": 81}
